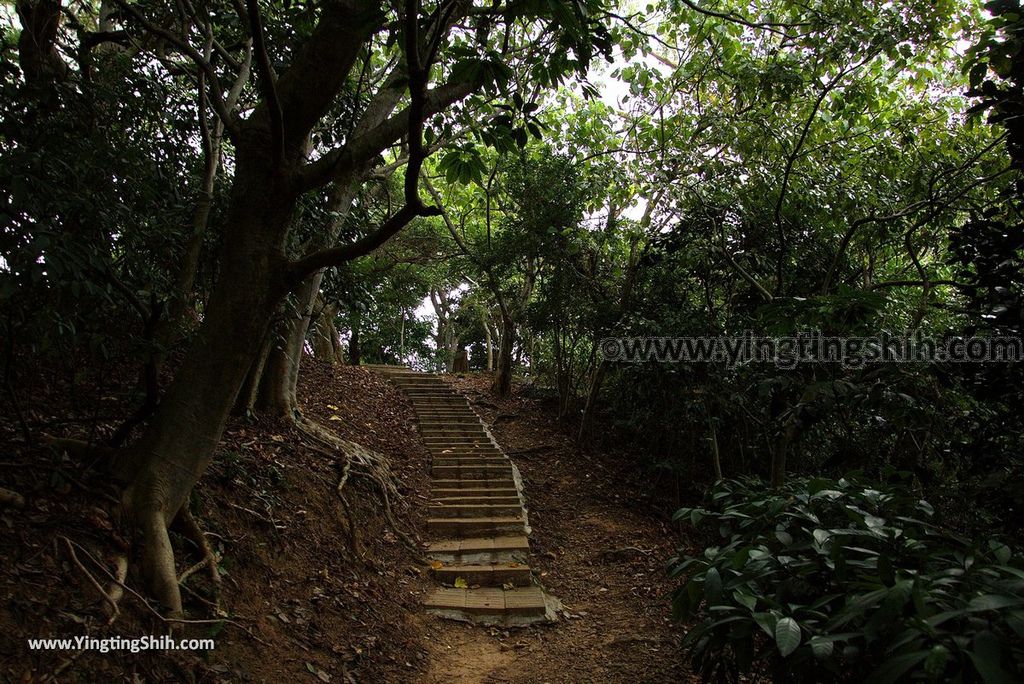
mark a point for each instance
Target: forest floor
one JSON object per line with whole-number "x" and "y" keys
{"x": 315, "y": 592}
{"x": 598, "y": 546}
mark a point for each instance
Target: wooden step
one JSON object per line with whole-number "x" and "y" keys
{"x": 454, "y": 492}
{"x": 509, "y": 500}
{"x": 441, "y": 451}
{"x": 432, "y": 407}
{"x": 490, "y": 575}
{"x": 457, "y": 440}
{"x": 520, "y": 602}
{"x": 496, "y": 472}
{"x": 496, "y": 484}
{"x": 475, "y": 527}
{"x": 426, "y": 416}
{"x": 474, "y": 433}
{"x": 463, "y": 510}
{"x": 474, "y": 545}
{"x": 471, "y": 460}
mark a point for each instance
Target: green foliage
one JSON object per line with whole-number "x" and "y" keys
{"x": 995, "y": 67}
{"x": 838, "y": 580}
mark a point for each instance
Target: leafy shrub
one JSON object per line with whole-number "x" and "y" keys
{"x": 827, "y": 580}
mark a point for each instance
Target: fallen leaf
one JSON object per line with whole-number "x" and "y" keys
{"x": 437, "y": 565}
{"x": 333, "y": 417}
{"x": 461, "y": 583}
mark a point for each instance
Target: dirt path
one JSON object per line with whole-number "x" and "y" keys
{"x": 595, "y": 546}
{"x": 465, "y": 654}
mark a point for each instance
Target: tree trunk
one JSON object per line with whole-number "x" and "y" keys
{"x": 502, "y": 385}
{"x": 355, "y": 352}
{"x": 716, "y": 457}
{"x": 587, "y": 422}
{"x": 401, "y": 340}
{"x": 324, "y": 339}
{"x": 179, "y": 442}
{"x": 781, "y": 454}
{"x": 245, "y": 403}
{"x": 38, "y": 56}
{"x": 278, "y": 387}
{"x": 489, "y": 344}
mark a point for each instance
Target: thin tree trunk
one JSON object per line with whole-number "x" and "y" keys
{"x": 324, "y": 338}
{"x": 488, "y": 342}
{"x": 716, "y": 459}
{"x": 502, "y": 385}
{"x": 781, "y": 453}
{"x": 246, "y": 401}
{"x": 278, "y": 387}
{"x": 401, "y": 340}
{"x": 354, "y": 348}
{"x": 590, "y": 408}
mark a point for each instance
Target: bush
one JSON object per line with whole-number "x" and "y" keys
{"x": 828, "y": 580}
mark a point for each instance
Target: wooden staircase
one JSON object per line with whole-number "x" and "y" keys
{"x": 478, "y": 521}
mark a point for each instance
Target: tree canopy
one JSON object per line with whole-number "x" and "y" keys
{"x": 211, "y": 192}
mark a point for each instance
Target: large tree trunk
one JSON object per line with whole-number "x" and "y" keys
{"x": 502, "y": 385}
{"x": 179, "y": 442}
{"x": 278, "y": 386}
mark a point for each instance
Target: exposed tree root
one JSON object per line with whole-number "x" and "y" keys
{"x": 150, "y": 608}
{"x": 362, "y": 463}
{"x": 112, "y": 609}
{"x": 116, "y": 590}
{"x": 81, "y": 450}
{"x": 191, "y": 529}
{"x": 158, "y": 562}
{"x": 11, "y": 499}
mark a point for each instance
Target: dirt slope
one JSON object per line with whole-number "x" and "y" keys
{"x": 308, "y": 604}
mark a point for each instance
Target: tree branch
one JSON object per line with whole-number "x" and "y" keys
{"x": 267, "y": 81}
{"x": 342, "y": 161}
{"x": 413, "y": 205}
{"x": 216, "y": 92}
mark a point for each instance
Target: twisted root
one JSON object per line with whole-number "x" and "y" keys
{"x": 362, "y": 463}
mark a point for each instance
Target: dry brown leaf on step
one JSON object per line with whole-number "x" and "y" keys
{"x": 437, "y": 565}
